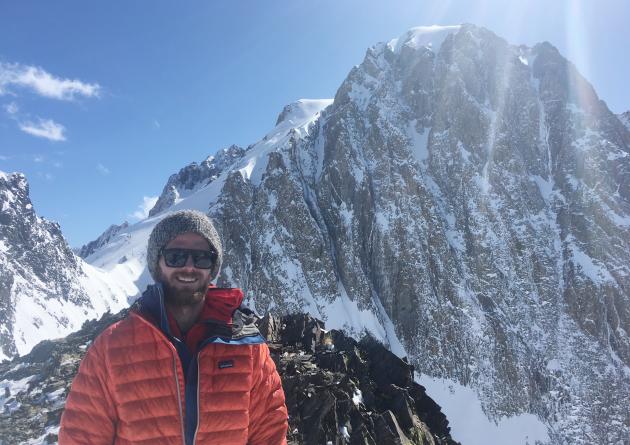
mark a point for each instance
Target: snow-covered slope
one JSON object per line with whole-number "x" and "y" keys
{"x": 45, "y": 290}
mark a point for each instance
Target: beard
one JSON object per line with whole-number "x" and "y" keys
{"x": 181, "y": 294}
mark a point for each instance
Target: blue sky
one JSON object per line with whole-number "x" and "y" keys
{"x": 101, "y": 101}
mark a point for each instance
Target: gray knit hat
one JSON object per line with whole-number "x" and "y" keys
{"x": 175, "y": 224}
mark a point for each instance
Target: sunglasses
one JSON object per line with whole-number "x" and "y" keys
{"x": 202, "y": 259}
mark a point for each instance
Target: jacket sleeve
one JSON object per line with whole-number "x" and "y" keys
{"x": 89, "y": 417}
{"x": 268, "y": 421}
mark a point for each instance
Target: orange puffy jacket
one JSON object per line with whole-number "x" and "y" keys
{"x": 139, "y": 384}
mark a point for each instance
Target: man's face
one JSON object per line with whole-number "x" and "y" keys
{"x": 186, "y": 285}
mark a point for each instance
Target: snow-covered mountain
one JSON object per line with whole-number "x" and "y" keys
{"x": 46, "y": 291}
{"x": 465, "y": 200}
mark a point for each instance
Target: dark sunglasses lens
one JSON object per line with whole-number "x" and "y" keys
{"x": 175, "y": 258}
{"x": 178, "y": 258}
{"x": 203, "y": 260}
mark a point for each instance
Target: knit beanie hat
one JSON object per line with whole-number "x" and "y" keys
{"x": 175, "y": 224}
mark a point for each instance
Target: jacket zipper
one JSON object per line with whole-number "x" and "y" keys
{"x": 179, "y": 400}
{"x": 198, "y": 385}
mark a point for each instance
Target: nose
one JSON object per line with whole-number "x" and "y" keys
{"x": 189, "y": 263}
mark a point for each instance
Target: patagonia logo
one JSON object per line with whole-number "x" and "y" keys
{"x": 226, "y": 364}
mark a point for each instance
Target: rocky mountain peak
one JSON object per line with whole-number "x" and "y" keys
{"x": 194, "y": 176}
{"x": 430, "y": 37}
{"x": 295, "y": 113}
{"x": 107, "y": 236}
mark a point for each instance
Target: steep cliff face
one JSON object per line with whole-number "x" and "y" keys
{"x": 474, "y": 193}
{"x": 45, "y": 290}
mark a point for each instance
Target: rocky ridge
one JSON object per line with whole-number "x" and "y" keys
{"x": 105, "y": 238}
{"x": 338, "y": 390}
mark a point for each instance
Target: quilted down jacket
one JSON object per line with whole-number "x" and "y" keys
{"x": 140, "y": 384}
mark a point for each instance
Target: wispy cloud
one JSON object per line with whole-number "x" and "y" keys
{"x": 4, "y": 158}
{"x": 38, "y": 158}
{"x": 156, "y": 124}
{"x": 47, "y": 176}
{"x": 44, "y": 128}
{"x": 44, "y": 83}
{"x": 11, "y": 108}
{"x": 102, "y": 169}
{"x": 144, "y": 207}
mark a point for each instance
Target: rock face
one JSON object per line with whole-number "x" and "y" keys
{"x": 45, "y": 290}
{"x": 338, "y": 390}
{"x": 194, "y": 176}
{"x": 476, "y": 194}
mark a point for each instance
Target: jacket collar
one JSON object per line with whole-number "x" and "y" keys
{"x": 220, "y": 305}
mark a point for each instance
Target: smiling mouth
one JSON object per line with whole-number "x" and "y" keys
{"x": 186, "y": 279}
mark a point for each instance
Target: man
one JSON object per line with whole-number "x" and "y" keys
{"x": 186, "y": 366}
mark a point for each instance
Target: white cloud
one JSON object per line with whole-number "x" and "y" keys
{"x": 44, "y": 128}
{"x": 11, "y": 108}
{"x": 47, "y": 176}
{"x": 44, "y": 83}
{"x": 38, "y": 158}
{"x": 144, "y": 207}
{"x": 4, "y": 158}
{"x": 102, "y": 169}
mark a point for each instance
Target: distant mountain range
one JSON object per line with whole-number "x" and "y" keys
{"x": 465, "y": 200}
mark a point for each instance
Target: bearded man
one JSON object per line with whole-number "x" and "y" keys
{"x": 187, "y": 365}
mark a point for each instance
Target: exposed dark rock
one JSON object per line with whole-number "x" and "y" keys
{"x": 347, "y": 392}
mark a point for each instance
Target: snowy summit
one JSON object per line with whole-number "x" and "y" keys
{"x": 430, "y": 37}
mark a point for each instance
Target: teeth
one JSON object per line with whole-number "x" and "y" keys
{"x": 186, "y": 280}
